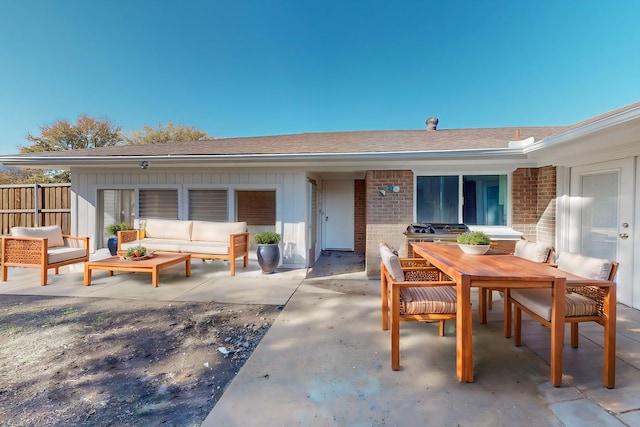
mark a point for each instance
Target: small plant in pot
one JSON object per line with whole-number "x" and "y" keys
{"x": 474, "y": 242}
{"x": 113, "y": 229}
{"x": 268, "y": 250}
{"x": 137, "y": 252}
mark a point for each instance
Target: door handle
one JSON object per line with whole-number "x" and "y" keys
{"x": 623, "y": 236}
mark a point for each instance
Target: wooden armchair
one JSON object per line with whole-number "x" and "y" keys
{"x": 43, "y": 248}
{"x": 537, "y": 252}
{"x": 412, "y": 289}
{"x": 584, "y": 303}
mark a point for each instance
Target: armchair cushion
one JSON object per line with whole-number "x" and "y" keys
{"x": 51, "y": 232}
{"x": 533, "y": 251}
{"x": 585, "y": 266}
{"x": 440, "y": 299}
{"x": 392, "y": 263}
{"x": 539, "y": 302}
{"x": 65, "y": 253}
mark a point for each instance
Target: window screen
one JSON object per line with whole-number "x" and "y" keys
{"x": 208, "y": 205}
{"x": 256, "y": 207}
{"x": 158, "y": 203}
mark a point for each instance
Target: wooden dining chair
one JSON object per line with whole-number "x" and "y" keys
{"x": 412, "y": 290}
{"x": 585, "y": 303}
{"x": 533, "y": 251}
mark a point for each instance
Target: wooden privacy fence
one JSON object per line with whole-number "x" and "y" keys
{"x": 33, "y": 205}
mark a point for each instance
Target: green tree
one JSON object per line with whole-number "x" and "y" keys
{"x": 62, "y": 135}
{"x": 87, "y": 132}
{"x": 168, "y": 133}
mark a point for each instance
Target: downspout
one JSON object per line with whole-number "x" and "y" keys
{"x": 36, "y": 202}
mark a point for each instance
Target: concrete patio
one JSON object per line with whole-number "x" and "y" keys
{"x": 326, "y": 361}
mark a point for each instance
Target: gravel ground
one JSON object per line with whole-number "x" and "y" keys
{"x": 68, "y": 361}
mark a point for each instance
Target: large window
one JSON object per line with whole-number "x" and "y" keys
{"x": 471, "y": 199}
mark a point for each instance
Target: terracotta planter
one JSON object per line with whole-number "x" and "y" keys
{"x": 268, "y": 257}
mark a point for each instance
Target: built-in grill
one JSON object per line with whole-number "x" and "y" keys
{"x": 429, "y": 232}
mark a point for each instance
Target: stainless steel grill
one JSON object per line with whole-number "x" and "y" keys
{"x": 429, "y": 232}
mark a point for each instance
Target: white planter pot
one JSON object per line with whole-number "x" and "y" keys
{"x": 474, "y": 249}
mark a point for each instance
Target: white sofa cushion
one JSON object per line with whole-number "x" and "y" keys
{"x": 51, "y": 232}
{"x": 152, "y": 244}
{"x": 209, "y": 248}
{"x": 205, "y": 231}
{"x": 585, "y": 266}
{"x": 533, "y": 251}
{"x": 64, "y": 253}
{"x": 172, "y": 229}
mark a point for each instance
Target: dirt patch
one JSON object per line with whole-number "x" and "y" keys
{"x": 97, "y": 362}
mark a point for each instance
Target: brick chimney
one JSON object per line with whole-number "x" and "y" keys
{"x": 432, "y": 123}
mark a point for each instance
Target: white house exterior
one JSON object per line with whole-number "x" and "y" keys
{"x": 349, "y": 190}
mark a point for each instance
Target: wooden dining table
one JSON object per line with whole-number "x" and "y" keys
{"x": 497, "y": 270}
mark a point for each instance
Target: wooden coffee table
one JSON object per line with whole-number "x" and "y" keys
{"x": 159, "y": 261}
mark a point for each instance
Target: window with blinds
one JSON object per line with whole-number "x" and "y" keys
{"x": 208, "y": 205}
{"x": 158, "y": 203}
{"x": 256, "y": 207}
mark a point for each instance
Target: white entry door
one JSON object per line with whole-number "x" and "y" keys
{"x": 602, "y": 220}
{"x": 338, "y": 224}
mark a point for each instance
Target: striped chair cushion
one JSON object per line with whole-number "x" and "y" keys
{"x": 437, "y": 299}
{"x": 539, "y": 302}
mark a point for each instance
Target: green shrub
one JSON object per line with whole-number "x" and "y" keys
{"x": 267, "y": 237}
{"x": 114, "y": 228}
{"x": 474, "y": 238}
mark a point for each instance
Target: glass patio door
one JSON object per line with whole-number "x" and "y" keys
{"x": 115, "y": 206}
{"x": 601, "y": 217}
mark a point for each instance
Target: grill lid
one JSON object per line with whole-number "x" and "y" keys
{"x": 436, "y": 228}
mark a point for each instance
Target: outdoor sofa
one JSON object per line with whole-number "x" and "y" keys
{"x": 206, "y": 240}
{"x": 43, "y": 248}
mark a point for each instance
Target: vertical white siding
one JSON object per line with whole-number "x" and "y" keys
{"x": 290, "y": 197}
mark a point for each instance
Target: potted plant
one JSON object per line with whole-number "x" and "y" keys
{"x": 474, "y": 242}
{"x": 113, "y": 229}
{"x": 268, "y": 250}
{"x": 137, "y": 252}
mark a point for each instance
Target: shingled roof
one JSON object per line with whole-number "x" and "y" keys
{"x": 327, "y": 143}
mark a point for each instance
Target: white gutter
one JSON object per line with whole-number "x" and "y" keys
{"x": 409, "y": 155}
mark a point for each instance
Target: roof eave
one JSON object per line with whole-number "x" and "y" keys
{"x": 52, "y": 162}
{"x": 616, "y": 119}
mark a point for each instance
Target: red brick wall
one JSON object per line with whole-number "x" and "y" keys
{"x": 360, "y": 218}
{"x": 546, "y": 227}
{"x": 387, "y": 215}
{"x": 533, "y": 197}
{"x": 393, "y": 207}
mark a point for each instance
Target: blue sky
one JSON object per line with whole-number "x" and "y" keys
{"x": 268, "y": 67}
